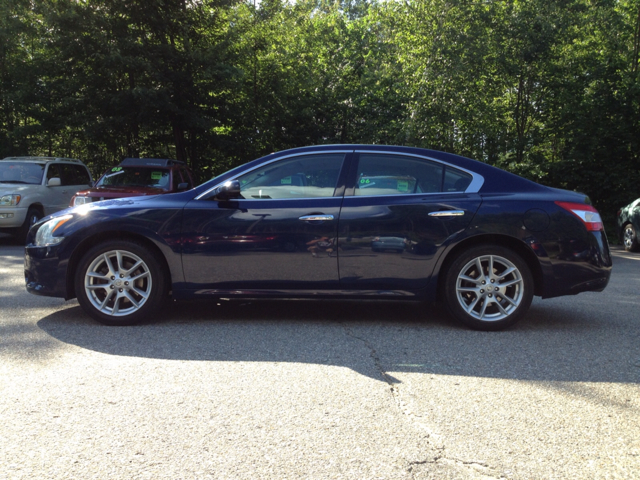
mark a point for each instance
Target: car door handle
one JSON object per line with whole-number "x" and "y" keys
{"x": 316, "y": 218}
{"x": 447, "y": 213}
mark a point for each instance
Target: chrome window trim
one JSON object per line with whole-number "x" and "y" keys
{"x": 425, "y": 194}
{"x": 477, "y": 180}
{"x": 299, "y": 154}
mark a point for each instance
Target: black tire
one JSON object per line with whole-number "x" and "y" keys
{"x": 116, "y": 293}
{"x": 630, "y": 238}
{"x": 488, "y": 300}
{"x": 33, "y": 216}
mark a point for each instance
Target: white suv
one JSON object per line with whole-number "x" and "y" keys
{"x": 33, "y": 187}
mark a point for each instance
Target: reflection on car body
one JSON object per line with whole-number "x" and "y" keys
{"x": 394, "y": 244}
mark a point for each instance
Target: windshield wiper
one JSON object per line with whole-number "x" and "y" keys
{"x": 14, "y": 181}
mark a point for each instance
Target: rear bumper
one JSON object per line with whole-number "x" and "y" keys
{"x": 586, "y": 268}
{"x": 596, "y": 285}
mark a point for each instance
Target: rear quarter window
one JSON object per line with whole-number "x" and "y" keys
{"x": 455, "y": 180}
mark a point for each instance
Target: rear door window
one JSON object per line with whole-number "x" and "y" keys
{"x": 384, "y": 174}
{"x": 380, "y": 174}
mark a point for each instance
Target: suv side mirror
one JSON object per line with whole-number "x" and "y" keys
{"x": 227, "y": 191}
{"x": 54, "y": 182}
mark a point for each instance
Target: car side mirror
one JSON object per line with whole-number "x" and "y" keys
{"x": 228, "y": 190}
{"x": 183, "y": 186}
{"x": 54, "y": 182}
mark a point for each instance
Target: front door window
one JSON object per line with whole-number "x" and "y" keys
{"x": 310, "y": 176}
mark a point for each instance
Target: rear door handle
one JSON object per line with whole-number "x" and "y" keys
{"x": 316, "y": 218}
{"x": 447, "y": 213}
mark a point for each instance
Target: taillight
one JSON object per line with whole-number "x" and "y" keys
{"x": 589, "y": 215}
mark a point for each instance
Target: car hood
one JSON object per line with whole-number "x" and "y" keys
{"x": 6, "y": 188}
{"x": 119, "y": 192}
{"x": 105, "y": 204}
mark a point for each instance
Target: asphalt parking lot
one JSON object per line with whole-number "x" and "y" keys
{"x": 353, "y": 390}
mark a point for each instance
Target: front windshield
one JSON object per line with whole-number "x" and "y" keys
{"x": 135, "y": 177}
{"x": 21, "y": 172}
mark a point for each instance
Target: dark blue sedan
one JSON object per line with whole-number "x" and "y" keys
{"x": 338, "y": 221}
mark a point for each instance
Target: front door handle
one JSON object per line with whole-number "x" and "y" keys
{"x": 447, "y": 213}
{"x": 316, "y": 218}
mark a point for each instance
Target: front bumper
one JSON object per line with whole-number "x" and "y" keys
{"x": 12, "y": 217}
{"x": 44, "y": 273}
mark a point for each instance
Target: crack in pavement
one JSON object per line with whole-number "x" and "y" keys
{"x": 473, "y": 467}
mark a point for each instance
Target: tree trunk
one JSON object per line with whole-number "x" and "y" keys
{"x": 178, "y": 136}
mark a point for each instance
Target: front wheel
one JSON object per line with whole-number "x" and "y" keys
{"x": 630, "y": 238}
{"x": 488, "y": 287}
{"x": 120, "y": 282}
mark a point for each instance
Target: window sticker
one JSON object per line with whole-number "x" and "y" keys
{"x": 156, "y": 175}
{"x": 285, "y": 181}
{"x": 403, "y": 186}
{"x": 366, "y": 182}
{"x": 116, "y": 169}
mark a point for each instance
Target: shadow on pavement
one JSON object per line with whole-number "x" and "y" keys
{"x": 555, "y": 342}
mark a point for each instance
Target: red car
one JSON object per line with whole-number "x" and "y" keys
{"x": 136, "y": 177}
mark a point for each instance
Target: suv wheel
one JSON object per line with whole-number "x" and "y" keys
{"x": 33, "y": 216}
{"x": 630, "y": 238}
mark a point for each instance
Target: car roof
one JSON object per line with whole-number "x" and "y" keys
{"x": 42, "y": 159}
{"x": 495, "y": 179}
{"x": 149, "y": 162}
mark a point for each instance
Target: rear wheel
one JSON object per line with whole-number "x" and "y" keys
{"x": 120, "y": 283}
{"x": 630, "y": 238}
{"x": 488, "y": 287}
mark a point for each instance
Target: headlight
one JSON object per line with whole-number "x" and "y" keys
{"x": 10, "y": 200}
{"x": 45, "y": 237}
{"x": 81, "y": 201}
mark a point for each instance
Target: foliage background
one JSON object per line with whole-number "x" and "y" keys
{"x": 547, "y": 89}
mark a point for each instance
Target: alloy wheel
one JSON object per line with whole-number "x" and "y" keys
{"x": 489, "y": 288}
{"x": 118, "y": 283}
